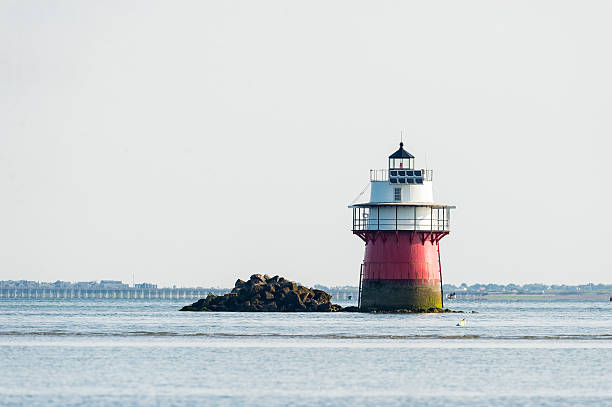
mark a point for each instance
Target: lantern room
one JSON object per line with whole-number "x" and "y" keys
{"x": 401, "y": 160}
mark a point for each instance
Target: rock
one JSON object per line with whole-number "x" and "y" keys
{"x": 267, "y": 294}
{"x": 271, "y": 307}
{"x": 292, "y": 286}
{"x": 292, "y": 297}
{"x": 325, "y": 307}
{"x": 321, "y": 296}
{"x": 244, "y": 295}
{"x": 257, "y": 279}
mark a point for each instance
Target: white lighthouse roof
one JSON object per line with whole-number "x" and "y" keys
{"x": 428, "y": 204}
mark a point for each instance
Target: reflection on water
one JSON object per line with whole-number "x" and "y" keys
{"x": 126, "y": 352}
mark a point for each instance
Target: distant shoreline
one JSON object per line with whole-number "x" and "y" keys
{"x": 536, "y": 297}
{"x": 118, "y": 289}
{"x": 347, "y": 293}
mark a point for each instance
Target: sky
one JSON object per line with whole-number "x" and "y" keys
{"x": 197, "y": 142}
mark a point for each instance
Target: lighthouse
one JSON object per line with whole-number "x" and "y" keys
{"x": 402, "y": 228}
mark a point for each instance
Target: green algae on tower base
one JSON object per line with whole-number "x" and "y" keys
{"x": 262, "y": 293}
{"x": 383, "y": 295}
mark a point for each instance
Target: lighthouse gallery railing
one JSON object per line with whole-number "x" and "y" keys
{"x": 370, "y": 219}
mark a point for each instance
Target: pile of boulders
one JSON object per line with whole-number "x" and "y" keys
{"x": 267, "y": 294}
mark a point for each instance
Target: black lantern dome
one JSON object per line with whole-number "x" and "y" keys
{"x": 401, "y": 159}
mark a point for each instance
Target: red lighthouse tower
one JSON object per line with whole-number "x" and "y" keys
{"x": 402, "y": 228}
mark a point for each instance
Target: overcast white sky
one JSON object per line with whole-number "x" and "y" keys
{"x": 195, "y": 142}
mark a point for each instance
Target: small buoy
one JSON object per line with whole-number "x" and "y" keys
{"x": 461, "y": 323}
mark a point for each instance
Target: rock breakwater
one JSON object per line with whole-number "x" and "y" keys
{"x": 268, "y": 294}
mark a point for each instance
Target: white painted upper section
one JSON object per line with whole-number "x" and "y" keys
{"x": 401, "y": 199}
{"x": 383, "y": 191}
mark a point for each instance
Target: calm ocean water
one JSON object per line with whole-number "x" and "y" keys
{"x": 141, "y": 352}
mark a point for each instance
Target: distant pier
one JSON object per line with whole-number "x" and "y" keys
{"x": 137, "y": 293}
{"x": 126, "y": 293}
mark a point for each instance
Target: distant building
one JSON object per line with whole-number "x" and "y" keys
{"x": 147, "y": 286}
{"x": 83, "y": 285}
{"x": 113, "y": 284}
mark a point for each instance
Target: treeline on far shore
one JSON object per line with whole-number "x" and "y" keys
{"x": 533, "y": 288}
{"x": 464, "y": 290}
